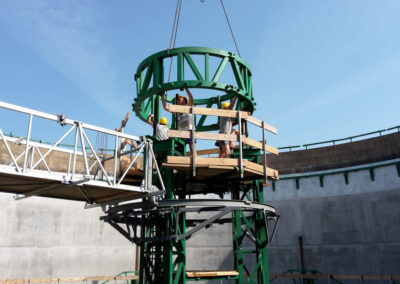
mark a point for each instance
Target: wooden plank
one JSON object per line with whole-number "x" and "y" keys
{"x": 223, "y": 112}
{"x": 222, "y": 167}
{"x": 15, "y": 281}
{"x": 208, "y": 111}
{"x": 256, "y": 144}
{"x": 100, "y": 278}
{"x": 202, "y": 135}
{"x": 255, "y": 168}
{"x": 259, "y": 168}
{"x": 219, "y": 136}
{"x": 72, "y": 279}
{"x": 175, "y": 165}
{"x": 258, "y": 123}
{"x": 134, "y": 277}
{"x": 43, "y": 280}
{"x": 194, "y": 274}
{"x": 205, "y": 161}
{"x": 207, "y": 152}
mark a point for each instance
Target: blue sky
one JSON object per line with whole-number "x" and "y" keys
{"x": 321, "y": 69}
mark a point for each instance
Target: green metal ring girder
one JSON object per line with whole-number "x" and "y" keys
{"x": 153, "y": 69}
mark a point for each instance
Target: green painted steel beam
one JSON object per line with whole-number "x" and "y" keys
{"x": 165, "y": 262}
{"x": 152, "y": 69}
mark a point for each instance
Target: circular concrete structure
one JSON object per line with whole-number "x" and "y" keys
{"x": 342, "y": 200}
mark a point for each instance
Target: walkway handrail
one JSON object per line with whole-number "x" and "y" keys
{"x": 334, "y": 141}
{"x": 242, "y": 139}
{"x": 28, "y": 159}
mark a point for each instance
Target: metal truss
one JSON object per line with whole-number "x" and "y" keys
{"x": 134, "y": 216}
{"x": 28, "y": 158}
{"x": 150, "y": 80}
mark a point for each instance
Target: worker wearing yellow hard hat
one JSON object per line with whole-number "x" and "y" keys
{"x": 161, "y": 129}
{"x": 224, "y": 105}
{"x": 163, "y": 121}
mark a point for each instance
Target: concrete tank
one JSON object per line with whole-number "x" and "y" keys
{"x": 343, "y": 200}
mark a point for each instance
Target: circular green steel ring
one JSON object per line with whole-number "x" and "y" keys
{"x": 151, "y": 72}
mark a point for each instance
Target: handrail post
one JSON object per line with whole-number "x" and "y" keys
{"x": 264, "y": 154}
{"x": 115, "y": 159}
{"x": 28, "y": 137}
{"x": 240, "y": 144}
{"x": 145, "y": 163}
{"x": 193, "y": 160}
{"x": 83, "y": 149}
{"x": 75, "y": 152}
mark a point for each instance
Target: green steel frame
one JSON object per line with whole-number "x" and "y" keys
{"x": 151, "y": 81}
{"x": 165, "y": 262}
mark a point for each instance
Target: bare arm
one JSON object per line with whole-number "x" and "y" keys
{"x": 190, "y": 103}
{"x": 164, "y": 103}
{"x": 149, "y": 119}
{"x": 232, "y": 103}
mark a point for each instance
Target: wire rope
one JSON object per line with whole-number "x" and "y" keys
{"x": 230, "y": 27}
{"x": 174, "y": 32}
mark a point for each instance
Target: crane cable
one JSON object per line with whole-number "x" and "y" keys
{"x": 229, "y": 24}
{"x": 175, "y": 26}
{"x": 174, "y": 32}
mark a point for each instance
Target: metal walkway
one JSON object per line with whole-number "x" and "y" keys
{"x": 29, "y": 168}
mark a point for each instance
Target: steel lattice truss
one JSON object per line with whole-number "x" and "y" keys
{"x": 25, "y": 168}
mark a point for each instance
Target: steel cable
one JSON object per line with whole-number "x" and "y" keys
{"x": 229, "y": 24}
{"x": 174, "y": 33}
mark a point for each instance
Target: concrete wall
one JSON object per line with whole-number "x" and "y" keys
{"x": 366, "y": 151}
{"x": 353, "y": 229}
{"x": 42, "y": 237}
{"x": 347, "y": 228}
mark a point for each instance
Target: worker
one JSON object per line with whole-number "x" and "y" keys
{"x": 161, "y": 128}
{"x": 225, "y": 127}
{"x": 185, "y": 121}
{"x": 126, "y": 141}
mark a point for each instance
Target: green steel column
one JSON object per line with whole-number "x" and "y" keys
{"x": 261, "y": 236}
{"x": 237, "y": 237}
{"x": 165, "y": 262}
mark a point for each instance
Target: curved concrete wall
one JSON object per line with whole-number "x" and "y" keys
{"x": 361, "y": 152}
{"x": 351, "y": 227}
{"x": 346, "y": 228}
{"x": 43, "y": 237}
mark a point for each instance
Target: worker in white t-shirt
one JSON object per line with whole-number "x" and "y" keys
{"x": 185, "y": 121}
{"x": 225, "y": 127}
{"x": 161, "y": 128}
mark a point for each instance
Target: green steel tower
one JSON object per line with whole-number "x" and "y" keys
{"x": 159, "y": 224}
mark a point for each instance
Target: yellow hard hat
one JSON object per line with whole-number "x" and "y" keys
{"x": 225, "y": 105}
{"x": 163, "y": 120}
